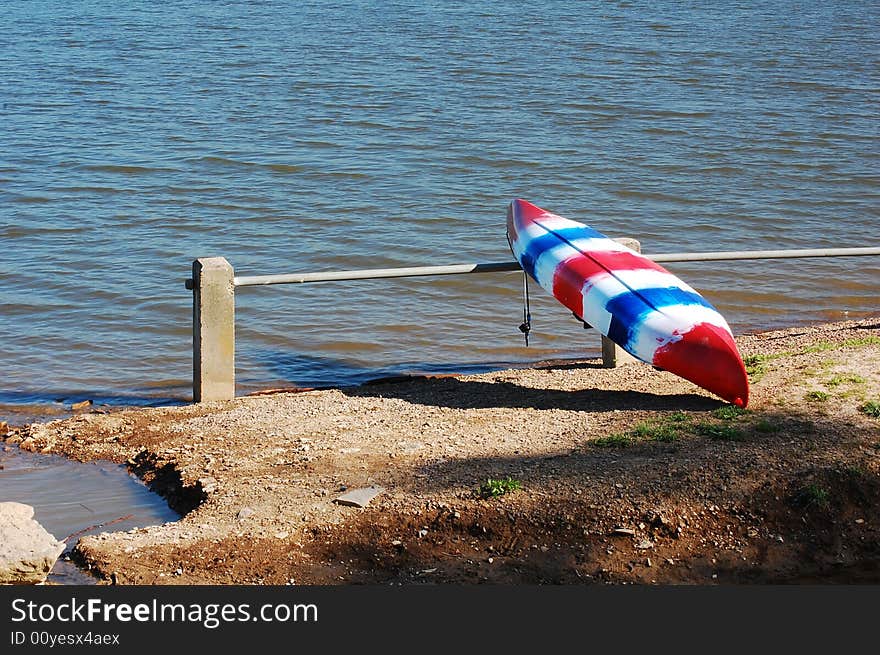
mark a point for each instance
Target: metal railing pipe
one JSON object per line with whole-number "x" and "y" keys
{"x": 373, "y": 274}
{"x": 496, "y": 267}
{"x": 762, "y": 254}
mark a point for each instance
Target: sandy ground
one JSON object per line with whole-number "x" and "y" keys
{"x": 627, "y": 475}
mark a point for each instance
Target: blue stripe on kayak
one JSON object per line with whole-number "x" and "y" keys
{"x": 628, "y": 310}
{"x": 538, "y": 245}
{"x": 527, "y": 260}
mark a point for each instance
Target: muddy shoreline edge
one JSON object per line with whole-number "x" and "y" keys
{"x": 624, "y": 475}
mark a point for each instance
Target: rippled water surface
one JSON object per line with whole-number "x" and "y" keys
{"x": 302, "y": 136}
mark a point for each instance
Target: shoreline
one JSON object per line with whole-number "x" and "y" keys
{"x": 625, "y": 475}
{"x": 63, "y": 403}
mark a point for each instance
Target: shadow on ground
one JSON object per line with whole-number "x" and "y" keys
{"x": 471, "y": 394}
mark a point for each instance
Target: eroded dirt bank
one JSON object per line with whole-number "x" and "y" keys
{"x": 625, "y": 475}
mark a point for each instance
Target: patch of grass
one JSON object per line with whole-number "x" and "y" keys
{"x": 766, "y": 426}
{"x": 719, "y": 432}
{"x": 755, "y": 367}
{"x": 871, "y": 408}
{"x": 654, "y": 432}
{"x": 822, "y": 346}
{"x": 821, "y": 396}
{"x": 821, "y": 368}
{"x": 729, "y": 412}
{"x": 845, "y": 378}
{"x": 857, "y": 471}
{"x": 618, "y": 440}
{"x": 664, "y": 430}
{"x": 494, "y": 488}
{"x": 812, "y": 496}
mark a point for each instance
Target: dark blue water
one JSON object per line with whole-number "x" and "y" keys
{"x": 300, "y": 136}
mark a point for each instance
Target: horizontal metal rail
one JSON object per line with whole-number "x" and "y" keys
{"x": 763, "y": 254}
{"x": 458, "y": 269}
{"x": 374, "y": 273}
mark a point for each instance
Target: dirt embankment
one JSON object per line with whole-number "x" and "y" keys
{"x": 628, "y": 475}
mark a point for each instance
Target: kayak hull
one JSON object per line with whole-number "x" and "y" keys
{"x": 632, "y": 300}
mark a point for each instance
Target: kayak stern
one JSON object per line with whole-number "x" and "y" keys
{"x": 708, "y": 357}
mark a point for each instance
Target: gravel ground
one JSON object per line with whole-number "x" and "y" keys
{"x": 627, "y": 475}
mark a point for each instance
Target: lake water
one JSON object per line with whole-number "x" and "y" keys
{"x": 309, "y": 136}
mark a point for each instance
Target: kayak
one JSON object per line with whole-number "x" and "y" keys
{"x": 632, "y": 300}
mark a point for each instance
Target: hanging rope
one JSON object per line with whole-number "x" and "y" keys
{"x": 526, "y": 325}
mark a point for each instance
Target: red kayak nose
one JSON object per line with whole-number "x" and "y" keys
{"x": 708, "y": 357}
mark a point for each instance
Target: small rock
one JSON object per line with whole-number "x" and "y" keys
{"x": 244, "y": 513}
{"x": 644, "y": 544}
{"x": 27, "y": 551}
{"x": 359, "y": 497}
{"x": 627, "y": 532}
{"x": 4, "y": 428}
{"x": 81, "y": 405}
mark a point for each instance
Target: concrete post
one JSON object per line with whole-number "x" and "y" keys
{"x": 213, "y": 330}
{"x": 612, "y": 354}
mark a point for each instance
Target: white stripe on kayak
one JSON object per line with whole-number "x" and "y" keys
{"x": 549, "y": 260}
{"x": 596, "y": 296}
{"x": 554, "y": 222}
{"x": 533, "y": 230}
{"x": 597, "y": 244}
{"x": 638, "y": 278}
{"x": 585, "y": 244}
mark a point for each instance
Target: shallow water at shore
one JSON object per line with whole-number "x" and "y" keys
{"x": 72, "y": 499}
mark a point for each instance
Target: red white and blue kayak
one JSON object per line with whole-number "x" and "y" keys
{"x": 633, "y": 301}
